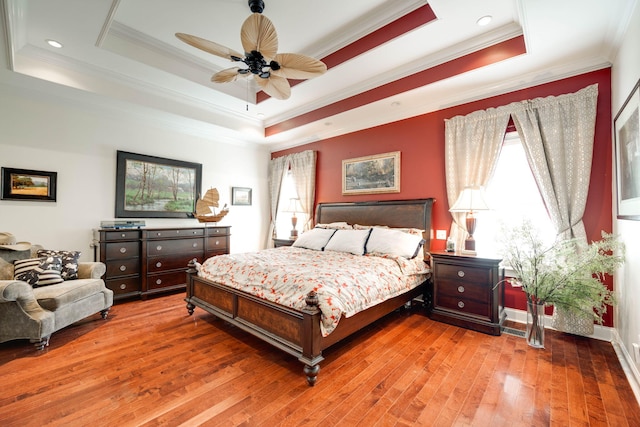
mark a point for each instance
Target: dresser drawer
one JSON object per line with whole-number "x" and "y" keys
{"x": 164, "y": 263}
{"x": 458, "y": 272}
{"x": 125, "y": 267}
{"x": 217, "y": 231}
{"x": 162, "y": 247}
{"x": 165, "y": 280}
{"x": 463, "y": 305}
{"x": 124, "y": 286}
{"x": 110, "y": 236}
{"x": 463, "y": 289}
{"x": 120, "y": 250}
{"x": 218, "y": 244}
{"x": 172, "y": 232}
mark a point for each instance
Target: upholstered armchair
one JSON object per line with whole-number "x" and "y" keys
{"x": 34, "y": 313}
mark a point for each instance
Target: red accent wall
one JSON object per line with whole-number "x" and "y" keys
{"x": 421, "y": 143}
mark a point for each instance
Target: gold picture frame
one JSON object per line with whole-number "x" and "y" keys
{"x": 379, "y": 173}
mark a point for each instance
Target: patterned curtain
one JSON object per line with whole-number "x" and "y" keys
{"x": 472, "y": 147}
{"x": 277, "y": 169}
{"x": 303, "y": 168}
{"x": 557, "y": 133}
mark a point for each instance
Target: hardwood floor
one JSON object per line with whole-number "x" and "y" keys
{"x": 151, "y": 364}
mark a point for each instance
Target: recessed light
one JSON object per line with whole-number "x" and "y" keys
{"x": 54, "y": 43}
{"x": 260, "y": 115}
{"x": 484, "y": 20}
{"x": 395, "y": 104}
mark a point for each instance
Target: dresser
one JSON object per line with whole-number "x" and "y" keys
{"x": 468, "y": 291}
{"x": 149, "y": 261}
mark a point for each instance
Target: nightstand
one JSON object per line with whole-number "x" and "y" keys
{"x": 282, "y": 242}
{"x": 468, "y": 292}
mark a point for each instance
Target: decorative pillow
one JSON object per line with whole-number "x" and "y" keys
{"x": 352, "y": 241}
{"x": 41, "y": 271}
{"x": 394, "y": 242}
{"x": 69, "y": 262}
{"x": 315, "y": 239}
{"x": 335, "y": 226}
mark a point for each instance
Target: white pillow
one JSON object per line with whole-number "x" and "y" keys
{"x": 315, "y": 239}
{"x": 394, "y": 242}
{"x": 352, "y": 241}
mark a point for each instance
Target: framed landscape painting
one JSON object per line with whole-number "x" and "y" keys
{"x": 26, "y": 184}
{"x": 627, "y": 154}
{"x": 379, "y": 173}
{"x": 156, "y": 187}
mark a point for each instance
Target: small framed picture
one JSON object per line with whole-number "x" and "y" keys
{"x": 241, "y": 196}
{"x": 26, "y": 184}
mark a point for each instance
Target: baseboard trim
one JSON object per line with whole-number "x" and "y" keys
{"x": 602, "y": 333}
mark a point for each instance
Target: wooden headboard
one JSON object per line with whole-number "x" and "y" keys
{"x": 392, "y": 213}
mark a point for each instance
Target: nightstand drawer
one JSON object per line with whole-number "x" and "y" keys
{"x": 463, "y": 289}
{"x": 466, "y": 273}
{"x": 464, "y": 305}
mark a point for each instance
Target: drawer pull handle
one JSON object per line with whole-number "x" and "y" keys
{"x": 159, "y": 282}
{"x": 158, "y": 234}
{"x": 461, "y": 289}
{"x": 195, "y": 245}
{"x": 158, "y": 264}
{"x": 217, "y": 242}
{"x": 122, "y": 235}
{"x": 460, "y": 273}
{"x": 123, "y": 250}
{"x": 159, "y": 247}
{"x": 460, "y": 304}
{"x": 123, "y": 267}
{"x": 123, "y": 286}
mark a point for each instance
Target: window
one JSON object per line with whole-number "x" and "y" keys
{"x": 283, "y": 218}
{"x": 513, "y": 195}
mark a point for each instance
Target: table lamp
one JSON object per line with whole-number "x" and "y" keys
{"x": 294, "y": 207}
{"x": 470, "y": 201}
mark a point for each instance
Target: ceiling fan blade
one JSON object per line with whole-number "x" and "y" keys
{"x": 275, "y": 86}
{"x": 296, "y": 66}
{"x": 226, "y": 76}
{"x": 258, "y": 33}
{"x": 209, "y": 46}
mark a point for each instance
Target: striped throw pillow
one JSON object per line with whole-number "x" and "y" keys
{"x": 37, "y": 272}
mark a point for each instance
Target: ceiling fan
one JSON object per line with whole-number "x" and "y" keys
{"x": 269, "y": 69}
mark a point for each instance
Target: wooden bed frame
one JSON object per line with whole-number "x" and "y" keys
{"x": 298, "y": 331}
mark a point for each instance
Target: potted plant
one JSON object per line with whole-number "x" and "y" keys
{"x": 565, "y": 274}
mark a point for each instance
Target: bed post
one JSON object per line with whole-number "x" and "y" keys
{"x": 191, "y": 270}
{"x": 311, "y": 353}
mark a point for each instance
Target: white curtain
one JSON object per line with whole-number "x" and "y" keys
{"x": 557, "y": 133}
{"x": 303, "y": 169}
{"x": 472, "y": 147}
{"x": 277, "y": 169}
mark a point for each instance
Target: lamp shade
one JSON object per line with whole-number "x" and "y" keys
{"x": 470, "y": 200}
{"x": 293, "y": 206}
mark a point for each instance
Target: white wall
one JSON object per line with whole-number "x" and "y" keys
{"x": 625, "y": 74}
{"x": 53, "y": 128}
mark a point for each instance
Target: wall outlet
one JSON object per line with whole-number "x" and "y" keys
{"x": 636, "y": 352}
{"x": 441, "y": 234}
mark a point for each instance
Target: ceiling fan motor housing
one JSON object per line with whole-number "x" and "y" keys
{"x": 256, "y": 6}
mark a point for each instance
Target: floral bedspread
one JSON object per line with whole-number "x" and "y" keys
{"x": 345, "y": 283}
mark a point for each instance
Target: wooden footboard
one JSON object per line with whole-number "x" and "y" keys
{"x": 296, "y": 332}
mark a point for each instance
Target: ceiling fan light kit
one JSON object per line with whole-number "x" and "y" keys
{"x": 269, "y": 69}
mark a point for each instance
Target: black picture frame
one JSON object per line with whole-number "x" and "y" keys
{"x": 137, "y": 174}
{"x": 241, "y": 196}
{"x": 627, "y": 156}
{"x": 28, "y": 184}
